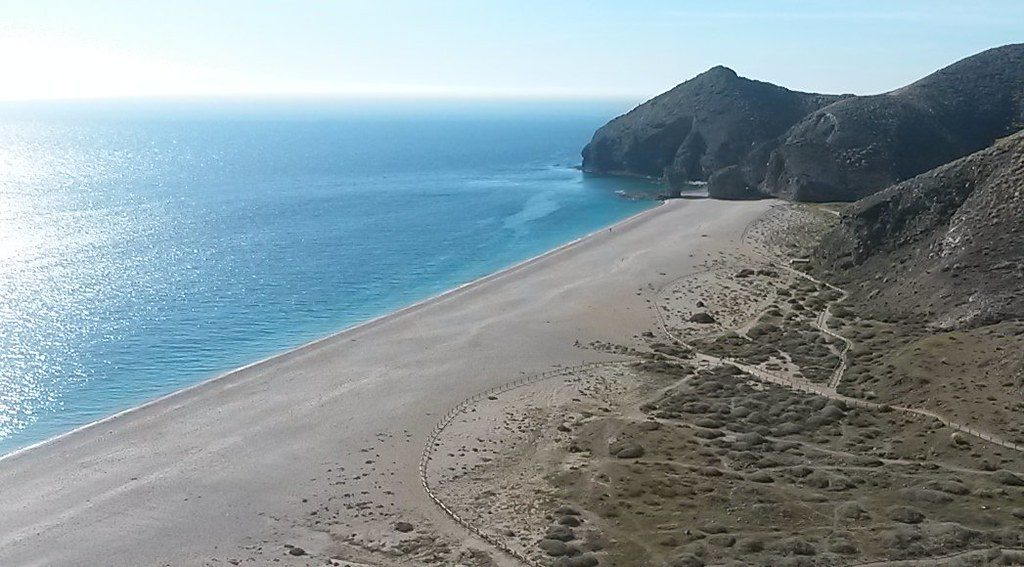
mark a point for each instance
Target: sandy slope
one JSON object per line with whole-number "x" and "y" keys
{"x": 318, "y": 447}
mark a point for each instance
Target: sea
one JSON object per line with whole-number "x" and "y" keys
{"x": 149, "y": 245}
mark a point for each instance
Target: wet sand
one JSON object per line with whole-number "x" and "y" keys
{"x": 318, "y": 447}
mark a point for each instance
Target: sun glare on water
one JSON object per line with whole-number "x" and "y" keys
{"x": 13, "y": 238}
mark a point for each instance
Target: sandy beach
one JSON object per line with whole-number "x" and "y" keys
{"x": 318, "y": 448}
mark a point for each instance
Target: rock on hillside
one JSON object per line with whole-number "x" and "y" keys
{"x": 947, "y": 245}
{"x": 860, "y": 145}
{"x": 707, "y": 123}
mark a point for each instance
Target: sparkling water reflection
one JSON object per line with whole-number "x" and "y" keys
{"x": 140, "y": 254}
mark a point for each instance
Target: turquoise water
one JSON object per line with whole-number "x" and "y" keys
{"x": 146, "y": 248}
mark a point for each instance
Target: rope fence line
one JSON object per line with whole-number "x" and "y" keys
{"x": 449, "y": 417}
{"x": 931, "y": 560}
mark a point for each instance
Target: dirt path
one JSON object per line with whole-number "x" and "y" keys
{"x": 828, "y": 390}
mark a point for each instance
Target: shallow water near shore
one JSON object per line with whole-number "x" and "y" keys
{"x": 144, "y": 250}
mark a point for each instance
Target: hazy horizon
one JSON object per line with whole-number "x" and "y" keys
{"x": 324, "y": 108}
{"x": 454, "y": 50}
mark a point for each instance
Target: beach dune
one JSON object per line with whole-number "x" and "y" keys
{"x": 318, "y": 447}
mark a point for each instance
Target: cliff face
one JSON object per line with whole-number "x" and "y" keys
{"x": 947, "y": 245}
{"x": 860, "y": 145}
{"x": 751, "y": 139}
{"x": 701, "y": 126}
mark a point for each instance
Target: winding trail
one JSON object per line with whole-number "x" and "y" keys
{"x": 821, "y": 322}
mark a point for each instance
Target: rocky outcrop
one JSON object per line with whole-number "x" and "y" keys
{"x": 749, "y": 139}
{"x": 860, "y": 145}
{"x": 946, "y": 245}
{"x": 710, "y": 122}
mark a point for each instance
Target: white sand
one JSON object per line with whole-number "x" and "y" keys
{"x": 219, "y": 472}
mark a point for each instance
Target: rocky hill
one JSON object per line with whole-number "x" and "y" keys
{"x": 946, "y": 246}
{"x": 751, "y": 139}
{"x": 860, "y": 145}
{"x": 707, "y": 123}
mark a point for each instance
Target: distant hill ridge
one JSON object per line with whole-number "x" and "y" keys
{"x": 749, "y": 138}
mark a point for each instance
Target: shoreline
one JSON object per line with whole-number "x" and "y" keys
{"x": 318, "y": 447}
{"x": 313, "y": 343}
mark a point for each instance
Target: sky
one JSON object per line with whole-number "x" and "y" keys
{"x": 516, "y": 49}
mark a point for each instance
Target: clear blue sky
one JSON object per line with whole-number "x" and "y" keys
{"x": 479, "y": 48}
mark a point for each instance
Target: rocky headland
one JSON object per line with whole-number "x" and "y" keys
{"x": 713, "y": 121}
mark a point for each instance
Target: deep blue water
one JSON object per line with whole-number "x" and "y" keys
{"x": 146, "y": 249}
